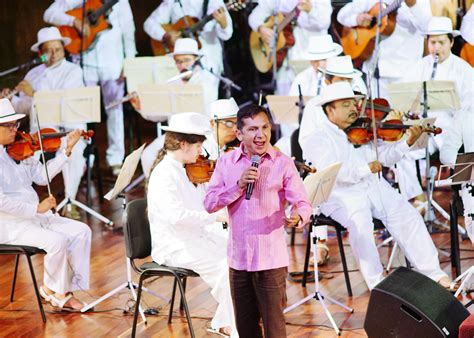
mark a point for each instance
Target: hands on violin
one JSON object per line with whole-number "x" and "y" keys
{"x": 414, "y": 134}
{"x": 375, "y": 167}
{"x": 72, "y": 139}
{"x": 47, "y": 204}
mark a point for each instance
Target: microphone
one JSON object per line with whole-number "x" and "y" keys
{"x": 255, "y": 163}
{"x": 36, "y": 61}
{"x": 435, "y": 66}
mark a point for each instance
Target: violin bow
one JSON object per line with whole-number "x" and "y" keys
{"x": 40, "y": 140}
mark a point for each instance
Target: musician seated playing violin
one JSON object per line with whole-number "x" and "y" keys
{"x": 360, "y": 194}
{"x": 25, "y": 220}
{"x": 179, "y": 223}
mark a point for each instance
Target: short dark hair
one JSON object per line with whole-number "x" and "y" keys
{"x": 450, "y": 36}
{"x": 324, "y": 106}
{"x": 328, "y": 77}
{"x": 251, "y": 111}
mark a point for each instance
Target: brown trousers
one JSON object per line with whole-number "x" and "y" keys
{"x": 259, "y": 295}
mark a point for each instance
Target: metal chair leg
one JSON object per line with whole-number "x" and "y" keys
{"x": 454, "y": 234}
{"x": 184, "y": 287}
{"x": 172, "y": 301}
{"x": 30, "y": 265}
{"x": 343, "y": 261}
{"x": 137, "y": 304}
{"x": 12, "y": 292}
{"x": 186, "y": 309}
{"x": 292, "y": 238}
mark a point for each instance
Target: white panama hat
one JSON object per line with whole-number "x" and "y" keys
{"x": 340, "y": 66}
{"x": 188, "y": 123}
{"x": 185, "y": 46}
{"x": 336, "y": 91}
{"x": 440, "y": 25}
{"x": 49, "y": 34}
{"x": 321, "y": 47}
{"x": 223, "y": 109}
{"x": 7, "y": 113}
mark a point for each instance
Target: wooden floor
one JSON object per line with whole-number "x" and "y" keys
{"x": 108, "y": 271}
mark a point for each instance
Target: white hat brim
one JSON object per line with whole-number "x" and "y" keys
{"x": 12, "y": 117}
{"x": 189, "y": 131}
{"x": 355, "y": 73}
{"x": 319, "y": 101}
{"x": 442, "y": 32}
{"x": 337, "y": 50}
{"x": 224, "y": 116}
{"x": 35, "y": 47}
{"x": 185, "y": 52}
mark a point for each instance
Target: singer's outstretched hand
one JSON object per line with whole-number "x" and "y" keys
{"x": 248, "y": 176}
{"x": 293, "y": 220}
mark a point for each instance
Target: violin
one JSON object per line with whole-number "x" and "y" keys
{"x": 200, "y": 171}
{"x": 381, "y": 110}
{"x": 361, "y": 132}
{"x": 27, "y": 144}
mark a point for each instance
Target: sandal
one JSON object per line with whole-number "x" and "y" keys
{"x": 219, "y": 332}
{"x": 325, "y": 250}
{"x": 59, "y": 305}
{"x": 45, "y": 297}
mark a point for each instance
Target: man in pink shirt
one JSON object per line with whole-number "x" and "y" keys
{"x": 257, "y": 251}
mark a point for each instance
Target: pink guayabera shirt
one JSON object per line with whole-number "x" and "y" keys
{"x": 257, "y": 237}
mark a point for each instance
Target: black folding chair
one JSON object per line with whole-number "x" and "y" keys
{"x": 27, "y": 251}
{"x": 137, "y": 237}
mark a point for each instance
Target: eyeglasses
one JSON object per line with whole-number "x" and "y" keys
{"x": 11, "y": 126}
{"x": 182, "y": 61}
{"x": 227, "y": 123}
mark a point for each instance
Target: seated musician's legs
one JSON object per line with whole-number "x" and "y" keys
{"x": 409, "y": 230}
{"x": 208, "y": 258}
{"x": 358, "y": 221}
{"x": 467, "y": 194}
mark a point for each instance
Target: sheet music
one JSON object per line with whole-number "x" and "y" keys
{"x": 319, "y": 185}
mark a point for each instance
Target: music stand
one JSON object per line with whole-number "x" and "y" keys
{"x": 426, "y": 95}
{"x": 285, "y": 109}
{"x": 463, "y": 173}
{"x": 148, "y": 70}
{"x": 118, "y": 191}
{"x": 69, "y": 107}
{"x": 318, "y": 188}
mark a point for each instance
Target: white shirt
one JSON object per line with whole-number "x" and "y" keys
{"x": 18, "y": 200}
{"x": 63, "y": 75}
{"x": 175, "y": 210}
{"x": 467, "y": 26}
{"x": 461, "y": 132}
{"x": 105, "y": 60}
{"x": 330, "y": 145}
{"x": 404, "y": 46}
{"x": 316, "y": 22}
{"x": 452, "y": 69}
{"x": 169, "y": 11}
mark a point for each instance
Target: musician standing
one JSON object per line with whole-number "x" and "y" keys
{"x": 257, "y": 251}
{"x": 178, "y": 221}
{"x": 103, "y": 64}
{"x": 313, "y": 19}
{"x": 211, "y": 37}
{"x": 359, "y": 195}
{"x": 24, "y": 220}
{"x": 398, "y": 51}
{"x": 55, "y": 74}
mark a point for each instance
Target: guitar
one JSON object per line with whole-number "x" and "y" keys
{"x": 261, "y": 53}
{"x": 95, "y": 17}
{"x": 359, "y": 42}
{"x": 189, "y": 27}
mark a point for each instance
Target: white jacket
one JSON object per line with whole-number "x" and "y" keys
{"x": 169, "y": 11}
{"x": 105, "y": 60}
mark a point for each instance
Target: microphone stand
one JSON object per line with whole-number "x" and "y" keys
{"x": 228, "y": 83}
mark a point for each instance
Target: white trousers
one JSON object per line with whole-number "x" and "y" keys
{"x": 74, "y": 169}
{"x": 113, "y": 90}
{"x": 355, "y": 212}
{"x": 209, "y": 259}
{"x": 67, "y": 244}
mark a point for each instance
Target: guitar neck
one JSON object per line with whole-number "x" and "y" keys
{"x": 393, "y": 6}
{"x": 287, "y": 19}
{"x": 198, "y": 26}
